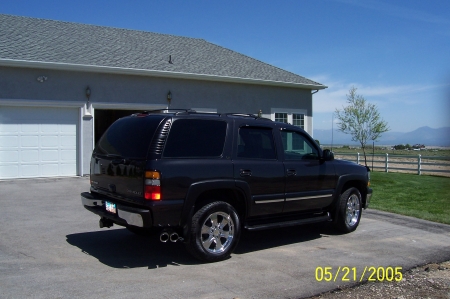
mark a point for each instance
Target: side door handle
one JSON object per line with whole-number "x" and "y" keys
{"x": 246, "y": 172}
{"x": 291, "y": 172}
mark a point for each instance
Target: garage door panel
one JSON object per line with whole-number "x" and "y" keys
{"x": 49, "y": 141}
{"x": 68, "y": 129}
{"x": 68, "y": 142}
{"x": 38, "y": 141}
{"x": 29, "y": 128}
{"x": 29, "y": 170}
{"x": 9, "y": 128}
{"x": 29, "y": 141}
{"x": 49, "y": 169}
{"x": 29, "y": 156}
{"x": 67, "y": 156}
{"x": 49, "y": 128}
{"x": 9, "y": 141}
{"x": 49, "y": 156}
{"x": 9, "y": 171}
{"x": 67, "y": 169}
{"x": 9, "y": 156}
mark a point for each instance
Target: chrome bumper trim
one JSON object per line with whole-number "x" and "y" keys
{"x": 131, "y": 218}
{"x": 91, "y": 202}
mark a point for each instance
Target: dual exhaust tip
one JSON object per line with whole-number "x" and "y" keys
{"x": 164, "y": 237}
{"x": 169, "y": 236}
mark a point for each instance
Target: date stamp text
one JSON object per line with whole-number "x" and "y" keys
{"x": 347, "y": 274}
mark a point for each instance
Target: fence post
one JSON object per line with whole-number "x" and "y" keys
{"x": 419, "y": 161}
{"x": 357, "y": 158}
{"x": 386, "y": 168}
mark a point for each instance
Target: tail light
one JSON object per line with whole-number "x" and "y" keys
{"x": 152, "y": 188}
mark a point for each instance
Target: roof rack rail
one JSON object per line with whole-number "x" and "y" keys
{"x": 170, "y": 110}
{"x": 254, "y": 116}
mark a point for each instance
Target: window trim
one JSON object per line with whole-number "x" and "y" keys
{"x": 290, "y": 113}
{"x": 310, "y": 142}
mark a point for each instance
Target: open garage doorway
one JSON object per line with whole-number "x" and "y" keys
{"x": 103, "y": 118}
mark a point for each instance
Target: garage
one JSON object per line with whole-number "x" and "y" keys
{"x": 38, "y": 142}
{"x": 103, "y": 118}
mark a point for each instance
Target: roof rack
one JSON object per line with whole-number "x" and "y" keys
{"x": 254, "y": 116}
{"x": 169, "y": 110}
{"x": 189, "y": 111}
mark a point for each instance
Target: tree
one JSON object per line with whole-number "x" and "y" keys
{"x": 361, "y": 120}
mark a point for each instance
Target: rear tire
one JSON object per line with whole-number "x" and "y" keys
{"x": 214, "y": 233}
{"x": 350, "y": 209}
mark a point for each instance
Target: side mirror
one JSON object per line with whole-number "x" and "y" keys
{"x": 327, "y": 155}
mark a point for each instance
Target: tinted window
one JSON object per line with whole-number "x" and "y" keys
{"x": 297, "y": 147}
{"x": 196, "y": 138}
{"x": 256, "y": 143}
{"x": 128, "y": 137}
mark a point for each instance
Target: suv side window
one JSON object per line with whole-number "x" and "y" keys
{"x": 297, "y": 147}
{"x": 256, "y": 143}
{"x": 189, "y": 138}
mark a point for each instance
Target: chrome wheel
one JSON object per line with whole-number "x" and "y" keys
{"x": 217, "y": 232}
{"x": 352, "y": 210}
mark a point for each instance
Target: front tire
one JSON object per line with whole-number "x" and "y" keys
{"x": 350, "y": 209}
{"x": 214, "y": 233}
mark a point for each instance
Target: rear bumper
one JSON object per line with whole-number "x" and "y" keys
{"x": 368, "y": 198}
{"x": 125, "y": 216}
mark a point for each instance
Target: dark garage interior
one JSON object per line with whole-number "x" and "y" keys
{"x": 103, "y": 118}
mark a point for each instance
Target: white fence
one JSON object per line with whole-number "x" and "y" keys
{"x": 417, "y": 164}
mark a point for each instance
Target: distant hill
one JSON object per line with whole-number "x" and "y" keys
{"x": 423, "y": 135}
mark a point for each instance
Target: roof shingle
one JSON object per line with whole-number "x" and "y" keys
{"x": 39, "y": 40}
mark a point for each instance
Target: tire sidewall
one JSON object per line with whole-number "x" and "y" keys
{"x": 341, "y": 222}
{"x": 195, "y": 244}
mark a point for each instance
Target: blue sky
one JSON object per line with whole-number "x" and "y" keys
{"x": 396, "y": 52}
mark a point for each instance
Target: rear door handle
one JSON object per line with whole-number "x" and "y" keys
{"x": 291, "y": 172}
{"x": 246, "y": 172}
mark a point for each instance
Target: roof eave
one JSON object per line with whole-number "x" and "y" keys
{"x": 153, "y": 73}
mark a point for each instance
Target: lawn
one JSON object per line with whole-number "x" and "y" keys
{"x": 425, "y": 197}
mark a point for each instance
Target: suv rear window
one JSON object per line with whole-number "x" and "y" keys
{"x": 128, "y": 137}
{"x": 189, "y": 138}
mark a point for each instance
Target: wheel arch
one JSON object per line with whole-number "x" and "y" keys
{"x": 344, "y": 183}
{"x": 203, "y": 193}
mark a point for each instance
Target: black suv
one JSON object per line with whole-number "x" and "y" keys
{"x": 201, "y": 178}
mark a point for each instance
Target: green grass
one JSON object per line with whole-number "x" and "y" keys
{"x": 425, "y": 197}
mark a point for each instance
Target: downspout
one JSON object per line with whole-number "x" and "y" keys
{"x": 312, "y": 114}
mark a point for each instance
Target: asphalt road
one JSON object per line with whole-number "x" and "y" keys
{"x": 51, "y": 247}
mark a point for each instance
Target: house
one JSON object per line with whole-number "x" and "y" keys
{"x": 62, "y": 84}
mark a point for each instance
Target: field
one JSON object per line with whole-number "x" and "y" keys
{"x": 429, "y": 152}
{"x": 425, "y": 197}
{"x": 431, "y": 162}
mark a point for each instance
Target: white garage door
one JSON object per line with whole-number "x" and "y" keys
{"x": 38, "y": 142}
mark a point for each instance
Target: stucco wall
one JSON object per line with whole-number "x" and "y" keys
{"x": 140, "y": 92}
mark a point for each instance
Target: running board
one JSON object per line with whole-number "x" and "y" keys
{"x": 288, "y": 223}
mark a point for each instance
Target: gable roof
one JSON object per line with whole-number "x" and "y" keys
{"x": 32, "y": 42}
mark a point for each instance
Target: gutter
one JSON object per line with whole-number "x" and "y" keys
{"x": 151, "y": 73}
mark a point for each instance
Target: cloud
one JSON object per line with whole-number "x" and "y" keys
{"x": 335, "y": 96}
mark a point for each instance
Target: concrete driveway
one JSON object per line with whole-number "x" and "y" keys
{"x": 51, "y": 247}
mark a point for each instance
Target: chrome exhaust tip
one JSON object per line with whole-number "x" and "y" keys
{"x": 164, "y": 237}
{"x": 174, "y": 237}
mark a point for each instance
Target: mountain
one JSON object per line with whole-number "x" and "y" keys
{"x": 423, "y": 135}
